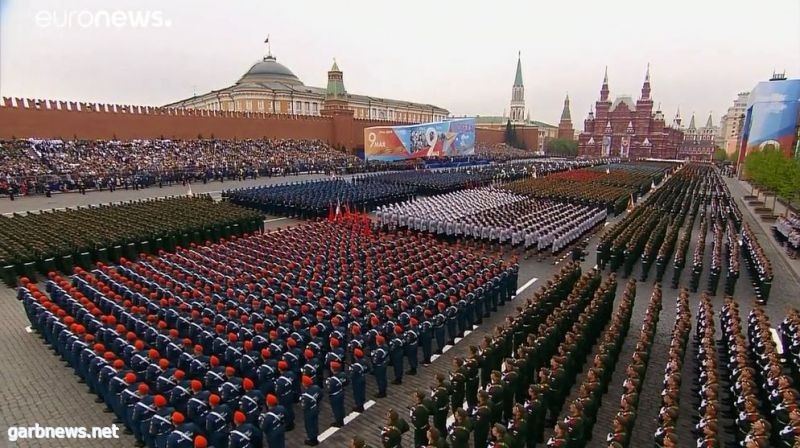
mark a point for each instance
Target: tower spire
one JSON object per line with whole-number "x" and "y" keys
{"x": 518, "y": 94}
{"x": 604, "y": 91}
{"x": 518, "y": 77}
{"x": 565, "y": 115}
{"x": 646, "y": 85}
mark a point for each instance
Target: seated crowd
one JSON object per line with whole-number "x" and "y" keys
{"x": 787, "y": 232}
{"x": 218, "y": 343}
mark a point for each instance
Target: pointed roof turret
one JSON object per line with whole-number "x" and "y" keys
{"x": 646, "y": 85}
{"x": 565, "y": 115}
{"x": 691, "y": 123}
{"x": 335, "y": 89}
{"x": 710, "y": 122}
{"x": 604, "y": 91}
{"x": 518, "y": 77}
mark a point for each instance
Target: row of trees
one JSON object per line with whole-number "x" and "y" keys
{"x": 772, "y": 171}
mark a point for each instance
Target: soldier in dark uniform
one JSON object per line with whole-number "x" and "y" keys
{"x": 472, "y": 380}
{"x": 535, "y": 411}
{"x": 482, "y": 418}
{"x": 392, "y": 432}
{"x": 458, "y": 383}
{"x": 419, "y": 414}
{"x": 312, "y": 394}
{"x": 500, "y": 437}
{"x": 438, "y": 330}
{"x": 379, "y": 357}
{"x": 435, "y": 439}
{"x": 411, "y": 347}
{"x": 396, "y": 353}
{"x": 459, "y": 432}
{"x": 358, "y": 377}
{"x": 426, "y": 340}
{"x": 244, "y": 434}
{"x": 335, "y": 386}
{"x": 440, "y": 396}
{"x": 272, "y": 423}
{"x": 496, "y": 390}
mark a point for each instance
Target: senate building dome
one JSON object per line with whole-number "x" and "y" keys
{"x": 269, "y": 69}
{"x": 272, "y": 88}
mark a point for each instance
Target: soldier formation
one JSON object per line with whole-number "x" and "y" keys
{"x": 34, "y": 237}
{"x": 496, "y": 216}
{"x": 233, "y": 335}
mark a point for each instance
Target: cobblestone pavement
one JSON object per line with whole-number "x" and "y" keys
{"x": 36, "y": 387}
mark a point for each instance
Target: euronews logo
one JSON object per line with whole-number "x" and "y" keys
{"x": 101, "y": 18}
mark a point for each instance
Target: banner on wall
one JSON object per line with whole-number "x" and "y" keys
{"x": 436, "y": 139}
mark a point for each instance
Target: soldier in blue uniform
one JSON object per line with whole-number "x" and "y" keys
{"x": 284, "y": 388}
{"x": 184, "y": 434}
{"x": 379, "y": 356}
{"x": 438, "y": 329}
{"x": 335, "y": 387}
{"x": 139, "y": 415}
{"x": 250, "y": 401}
{"x": 358, "y": 377}
{"x": 426, "y": 340}
{"x": 272, "y": 423}
{"x": 216, "y": 421}
{"x": 312, "y": 394}
{"x": 244, "y": 434}
{"x": 412, "y": 347}
{"x": 396, "y": 352}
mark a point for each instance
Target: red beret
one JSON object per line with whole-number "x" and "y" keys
{"x": 177, "y": 418}
{"x": 160, "y": 401}
{"x": 239, "y": 417}
{"x": 196, "y": 385}
{"x": 272, "y": 400}
{"x": 283, "y": 365}
{"x": 213, "y": 399}
{"x": 307, "y": 381}
{"x": 200, "y": 442}
{"x": 248, "y": 384}
{"x": 143, "y": 389}
{"x": 358, "y": 353}
{"x": 130, "y": 378}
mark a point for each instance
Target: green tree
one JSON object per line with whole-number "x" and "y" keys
{"x": 511, "y": 138}
{"x": 720, "y": 155}
{"x": 734, "y": 157}
{"x": 561, "y": 147}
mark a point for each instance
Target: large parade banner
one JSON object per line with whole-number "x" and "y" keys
{"x": 773, "y": 113}
{"x": 437, "y": 139}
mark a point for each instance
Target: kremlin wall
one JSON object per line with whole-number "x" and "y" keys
{"x": 24, "y": 118}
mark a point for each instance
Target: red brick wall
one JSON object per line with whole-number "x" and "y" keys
{"x": 50, "y": 119}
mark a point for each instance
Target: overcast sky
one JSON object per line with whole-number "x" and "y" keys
{"x": 460, "y": 55}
